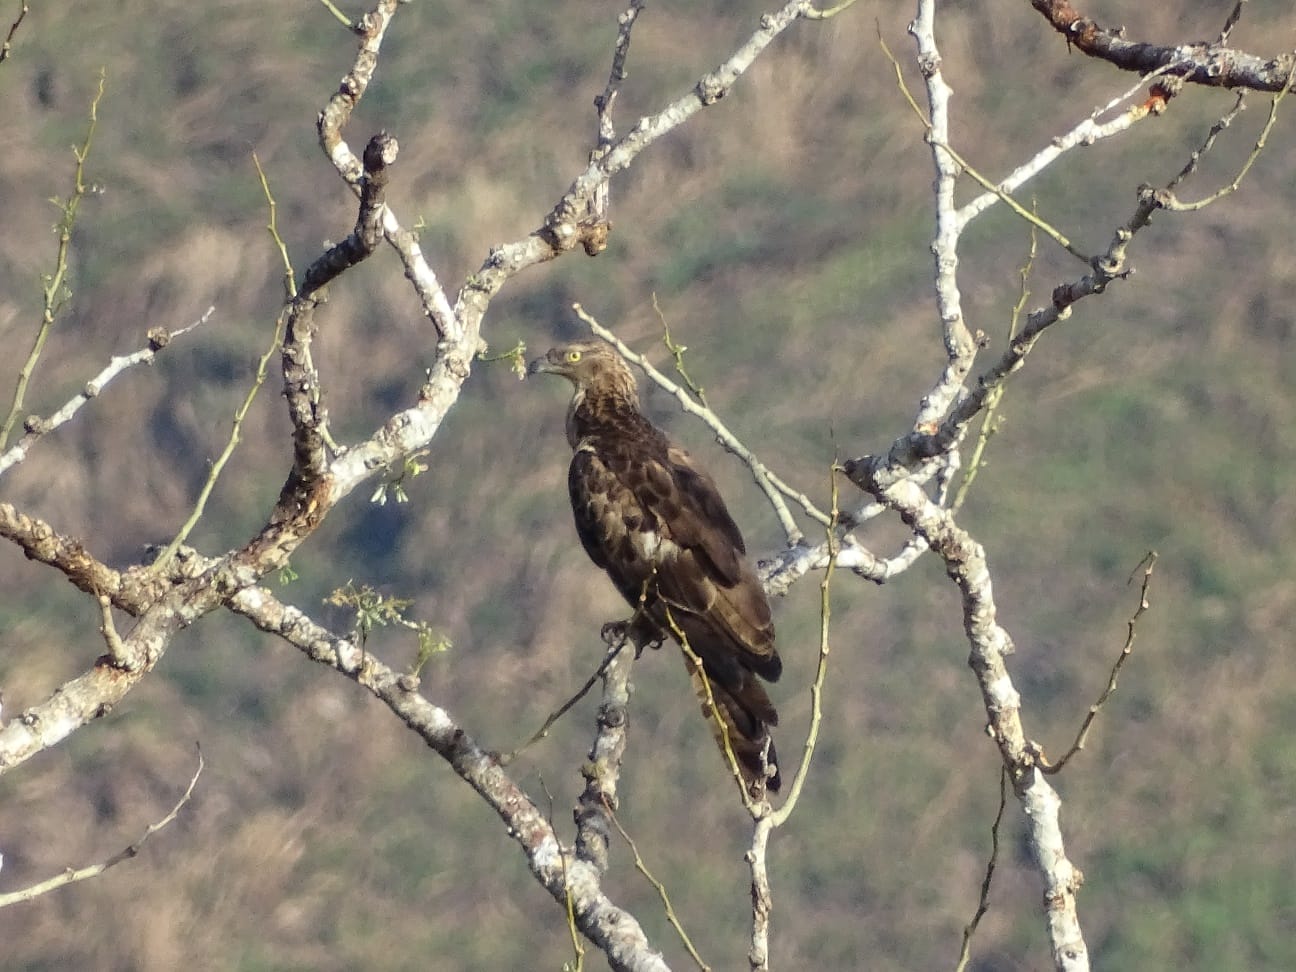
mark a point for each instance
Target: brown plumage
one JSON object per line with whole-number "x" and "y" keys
{"x": 651, "y": 517}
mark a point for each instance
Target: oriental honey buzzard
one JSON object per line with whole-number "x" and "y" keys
{"x": 653, "y": 519}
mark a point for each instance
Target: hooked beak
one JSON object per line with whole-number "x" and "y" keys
{"x": 549, "y": 364}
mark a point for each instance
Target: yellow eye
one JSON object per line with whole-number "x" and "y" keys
{"x": 573, "y": 357}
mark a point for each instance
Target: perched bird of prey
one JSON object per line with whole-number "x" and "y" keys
{"x": 651, "y": 517}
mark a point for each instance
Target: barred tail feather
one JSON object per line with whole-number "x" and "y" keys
{"x": 746, "y": 714}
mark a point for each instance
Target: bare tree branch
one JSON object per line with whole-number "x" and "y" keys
{"x": 764, "y": 819}
{"x": 1127, "y": 649}
{"x": 71, "y": 876}
{"x": 36, "y": 427}
{"x": 1084, "y": 134}
{"x": 610, "y": 927}
{"x": 1210, "y": 64}
{"x": 911, "y": 482}
{"x": 965, "y": 562}
{"x": 603, "y": 771}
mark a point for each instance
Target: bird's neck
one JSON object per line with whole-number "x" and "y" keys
{"x": 592, "y": 412}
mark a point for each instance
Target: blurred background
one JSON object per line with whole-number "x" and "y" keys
{"x": 785, "y": 234}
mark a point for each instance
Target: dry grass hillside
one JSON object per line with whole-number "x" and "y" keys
{"x": 785, "y": 235}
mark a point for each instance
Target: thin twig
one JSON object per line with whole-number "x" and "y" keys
{"x": 617, "y": 75}
{"x": 1234, "y": 16}
{"x": 762, "y": 902}
{"x": 116, "y": 650}
{"x": 1033, "y": 218}
{"x": 562, "y": 710}
{"x": 1085, "y": 133}
{"x": 272, "y": 227}
{"x": 595, "y": 223}
{"x": 159, "y": 338}
{"x": 232, "y": 443}
{"x": 983, "y": 903}
{"x": 1147, "y": 564}
{"x": 71, "y": 876}
{"x": 55, "y": 290}
{"x": 989, "y": 422}
{"x": 696, "y": 669}
{"x": 821, "y": 670}
{"x": 578, "y": 948}
{"x": 659, "y": 887}
{"x": 258, "y": 379}
{"x": 342, "y": 18}
{"x": 814, "y": 13}
{"x": 1209, "y": 142}
{"x": 677, "y": 352}
{"x": 1174, "y": 205}
{"x": 7, "y": 47}
{"x": 614, "y": 649}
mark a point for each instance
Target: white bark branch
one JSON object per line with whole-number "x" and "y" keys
{"x": 965, "y": 562}
{"x": 38, "y": 427}
{"x": 558, "y": 870}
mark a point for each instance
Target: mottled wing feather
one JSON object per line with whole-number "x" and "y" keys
{"x": 705, "y": 517}
{"x": 736, "y": 618}
{"x": 708, "y": 573}
{"x": 635, "y": 512}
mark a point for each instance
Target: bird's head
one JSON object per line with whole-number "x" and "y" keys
{"x": 588, "y": 365}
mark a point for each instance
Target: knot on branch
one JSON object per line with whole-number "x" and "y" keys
{"x": 710, "y": 90}
{"x": 611, "y": 715}
{"x": 380, "y": 153}
{"x": 594, "y": 237}
{"x": 560, "y": 233}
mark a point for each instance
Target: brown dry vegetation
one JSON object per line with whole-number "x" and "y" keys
{"x": 785, "y": 233}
